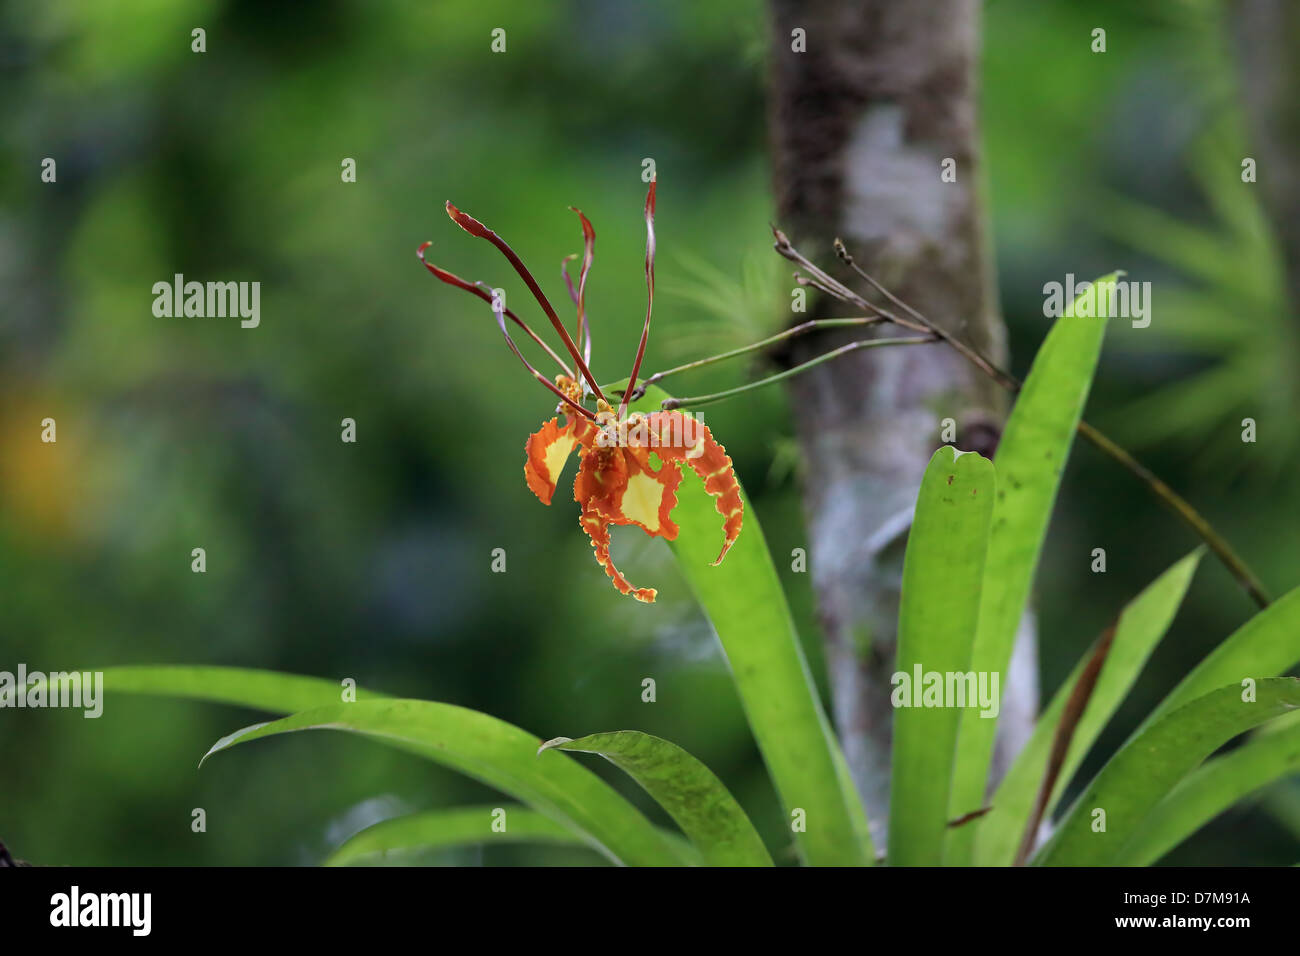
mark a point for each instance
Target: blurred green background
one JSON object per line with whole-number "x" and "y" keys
{"x": 372, "y": 560}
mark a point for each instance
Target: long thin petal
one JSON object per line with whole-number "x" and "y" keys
{"x": 473, "y": 288}
{"x": 476, "y": 228}
{"x": 501, "y": 324}
{"x": 650, "y": 295}
{"x": 564, "y": 274}
{"x": 588, "y": 254}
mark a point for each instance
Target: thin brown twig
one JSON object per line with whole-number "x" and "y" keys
{"x": 1183, "y": 509}
{"x": 1071, "y": 714}
{"x": 1240, "y": 571}
{"x": 969, "y": 353}
{"x": 832, "y": 286}
{"x": 966, "y": 818}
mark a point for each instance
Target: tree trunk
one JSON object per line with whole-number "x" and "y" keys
{"x": 1267, "y": 34}
{"x": 862, "y": 124}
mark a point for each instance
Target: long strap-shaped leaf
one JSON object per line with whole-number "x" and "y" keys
{"x": 468, "y": 826}
{"x": 272, "y": 691}
{"x": 696, "y": 799}
{"x": 496, "y": 753}
{"x": 1268, "y": 644}
{"x": 1141, "y": 624}
{"x": 447, "y": 828}
{"x": 1144, "y": 771}
{"x": 942, "y": 574}
{"x": 743, "y": 599}
{"x": 1214, "y": 787}
{"x": 483, "y": 747}
{"x": 1030, "y": 459}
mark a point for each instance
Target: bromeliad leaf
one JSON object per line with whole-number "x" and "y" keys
{"x": 686, "y": 788}
{"x": 1141, "y": 625}
{"x": 942, "y": 574}
{"x": 1139, "y": 776}
{"x": 446, "y": 828}
{"x": 496, "y": 753}
{"x": 466, "y": 826}
{"x": 1273, "y": 753}
{"x": 271, "y": 691}
{"x": 480, "y": 746}
{"x": 1264, "y": 645}
{"x": 1030, "y": 460}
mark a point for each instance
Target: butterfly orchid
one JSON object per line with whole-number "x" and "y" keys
{"x": 628, "y": 469}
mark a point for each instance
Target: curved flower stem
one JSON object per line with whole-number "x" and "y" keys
{"x": 800, "y": 329}
{"x": 697, "y": 401}
{"x": 1189, "y": 515}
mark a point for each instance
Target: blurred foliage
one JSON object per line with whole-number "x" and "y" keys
{"x": 371, "y": 560}
{"x": 1224, "y": 289}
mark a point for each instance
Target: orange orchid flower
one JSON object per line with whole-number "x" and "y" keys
{"x": 628, "y": 467}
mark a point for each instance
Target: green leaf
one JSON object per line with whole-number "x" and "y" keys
{"x": 1214, "y": 787}
{"x": 497, "y": 753}
{"x": 261, "y": 690}
{"x": 1268, "y": 644}
{"x": 743, "y": 599}
{"x": 1030, "y": 459}
{"x": 468, "y": 826}
{"x": 695, "y": 798}
{"x": 480, "y": 746}
{"x": 444, "y": 829}
{"x": 1139, "y": 776}
{"x": 1141, "y": 624}
{"x": 942, "y": 573}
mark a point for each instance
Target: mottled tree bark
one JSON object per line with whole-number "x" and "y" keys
{"x": 1268, "y": 56}
{"x": 862, "y": 123}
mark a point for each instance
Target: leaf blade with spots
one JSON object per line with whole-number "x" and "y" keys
{"x": 688, "y": 790}
{"x": 943, "y": 570}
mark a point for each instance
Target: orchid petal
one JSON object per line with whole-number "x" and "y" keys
{"x": 683, "y": 438}
{"x": 601, "y": 480}
{"x": 597, "y": 527}
{"x": 649, "y": 495}
{"x": 618, "y": 486}
{"x": 547, "y": 451}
